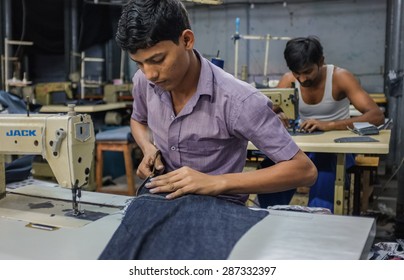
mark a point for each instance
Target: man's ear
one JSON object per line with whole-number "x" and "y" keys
{"x": 188, "y": 39}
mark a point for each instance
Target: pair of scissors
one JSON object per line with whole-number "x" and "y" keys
{"x": 153, "y": 172}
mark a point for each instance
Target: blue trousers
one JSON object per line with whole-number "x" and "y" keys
{"x": 192, "y": 227}
{"x": 322, "y": 192}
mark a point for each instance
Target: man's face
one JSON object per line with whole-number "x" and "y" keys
{"x": 165, "y": 64}
{"x": 308, "y": 76}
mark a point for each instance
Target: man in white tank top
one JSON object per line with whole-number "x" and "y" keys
{"x": 325, "y": 93}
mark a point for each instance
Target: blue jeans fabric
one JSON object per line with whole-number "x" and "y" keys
{"x": 322, "y": 192}
{"x": 13, "y": 103}
{"x": 192, "y": 227}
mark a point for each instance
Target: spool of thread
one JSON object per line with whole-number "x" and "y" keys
{"x": 218, "y": 62}
{"x": 113, "y": 118}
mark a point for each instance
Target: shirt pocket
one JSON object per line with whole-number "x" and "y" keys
{"x": 203, "y": 147}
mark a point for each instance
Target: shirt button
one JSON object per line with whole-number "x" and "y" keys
{"x": 172, "y": 148}
{"x": 172, "y": 117}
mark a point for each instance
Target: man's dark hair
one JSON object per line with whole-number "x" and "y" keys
{"x": 302, "y": 52}
{"x": 144, "y": 23}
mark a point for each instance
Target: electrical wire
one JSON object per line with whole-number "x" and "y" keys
{"x": 22, "y": 28}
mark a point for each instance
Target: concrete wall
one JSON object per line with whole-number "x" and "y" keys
{"x": 352, "y": 34}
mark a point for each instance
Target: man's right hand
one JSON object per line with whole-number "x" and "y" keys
{"x": 150, "y": 159}
{"x": 281, "y": 115}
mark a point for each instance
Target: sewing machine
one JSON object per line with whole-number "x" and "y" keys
{"x": 36, "y": 219}
{"x": 287, "y": 99}
{"x": 65, "y": 141}
{"x": 53, "y": 93}
{"x": 118, "y": 93}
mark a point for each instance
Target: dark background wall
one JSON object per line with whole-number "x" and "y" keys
{"x": 60, "y": 30}
{"x": 352, "y": 32}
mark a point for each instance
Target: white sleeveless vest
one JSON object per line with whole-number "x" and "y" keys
{"x": 328, "y": 109}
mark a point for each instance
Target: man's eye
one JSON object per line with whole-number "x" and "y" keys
{"x": 157, "y": 61}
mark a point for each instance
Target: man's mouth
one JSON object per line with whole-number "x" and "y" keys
{"x": 307, "y": 84}
{"x": 160, "y": 83}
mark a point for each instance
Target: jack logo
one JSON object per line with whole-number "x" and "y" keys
{"x": 21, "y": 132}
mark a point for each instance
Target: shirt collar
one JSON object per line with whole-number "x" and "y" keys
{"x": 205, "y": 83}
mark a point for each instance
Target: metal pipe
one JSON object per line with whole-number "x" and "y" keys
{"x": 7, "y": 58}
{"x": 395, "y": 94}
{"x": 7, "y": 19}
{"x": 6, "y": 64}
{"x": 392, "y": 55}
{"x": 7, "y": 34}
{"x": 82, "y": 87}
{"x": 236, "y": 45}
{"x": 74, "y": 36}
{"x": 268, "y": 38}
{"x": 2, "y": 15}
{"x": 236, "y": 58}
{"x": 67, "y": 37}
{"x": 109, "y": 69}
{"x": 245, "y": 73}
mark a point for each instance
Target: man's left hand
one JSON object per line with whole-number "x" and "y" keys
{"x": 183, "y": 181}
{"x": 313, "y": 125}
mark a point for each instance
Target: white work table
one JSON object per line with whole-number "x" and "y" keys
{"x": 324, "y": 143}
{"x": 83, "y": 108}
{"x": 73, "y": 239}
{"x": 284, "y": 235}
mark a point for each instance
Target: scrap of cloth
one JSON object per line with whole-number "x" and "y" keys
{"x": 191, "y": 227}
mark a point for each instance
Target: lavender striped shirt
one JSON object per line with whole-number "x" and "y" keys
{"x": 211, "y": 132}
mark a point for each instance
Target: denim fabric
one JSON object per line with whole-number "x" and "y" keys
{"x": 279, "y": 198}
{"x": 322, "y": 192}
{"x": 190, "y": 227}
{"x": 13, "y": 103}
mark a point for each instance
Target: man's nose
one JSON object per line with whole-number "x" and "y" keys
{"x": 150, "y": 72}
{"x": 301, "y": 78}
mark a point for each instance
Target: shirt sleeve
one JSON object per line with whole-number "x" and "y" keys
{"x": 254, "y": 120}
{"x": 139, "y": 94}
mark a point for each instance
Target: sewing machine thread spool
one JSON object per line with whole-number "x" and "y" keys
{"x": 218, "y": 61}
{"x": 113, "y": 118}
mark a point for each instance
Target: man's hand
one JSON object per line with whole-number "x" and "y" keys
{"x": 183, "y": 181}
{"x": 284, "y": 119}
{"x": 281, "y": 115}
{"x": 313, "y": 125}
{"x": 150, "y": 159}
